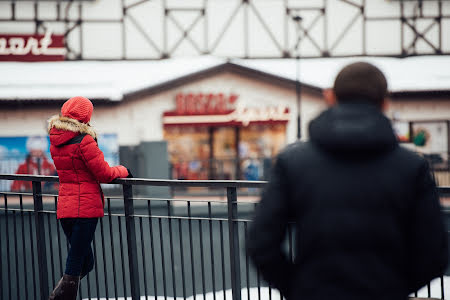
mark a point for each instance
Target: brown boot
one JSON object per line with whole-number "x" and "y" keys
{"x": 66, "y": 289}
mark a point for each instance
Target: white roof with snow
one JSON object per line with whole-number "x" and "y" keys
{"x": 113, "y": 79}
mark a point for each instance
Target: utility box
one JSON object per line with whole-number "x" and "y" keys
{"x": 128, "y": 157}
{"x": 148, "y": 160}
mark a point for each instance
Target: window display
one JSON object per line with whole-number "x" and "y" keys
{"x": 237, "y": 152}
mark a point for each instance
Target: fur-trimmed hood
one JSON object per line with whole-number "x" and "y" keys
{"x": 69, "y": 124}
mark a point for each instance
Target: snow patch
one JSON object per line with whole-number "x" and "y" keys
{"x": 265, "y": 294}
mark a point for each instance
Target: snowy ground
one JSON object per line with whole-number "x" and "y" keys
{"x": 263, "y": 294}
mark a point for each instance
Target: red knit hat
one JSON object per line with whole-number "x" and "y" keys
{"x": 78, "y": 108}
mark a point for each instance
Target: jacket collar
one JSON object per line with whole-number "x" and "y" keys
{"x": 69, "y": 124}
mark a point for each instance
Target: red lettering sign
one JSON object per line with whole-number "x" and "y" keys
{"x": 241, "y": 116}
{"x": 204, "y": 104}
{"x": 37, "y": 47}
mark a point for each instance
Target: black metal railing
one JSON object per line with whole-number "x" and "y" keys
{"x": 152, "y": 246}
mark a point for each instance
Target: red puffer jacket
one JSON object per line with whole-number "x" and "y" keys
{"x": 81, "y": 168}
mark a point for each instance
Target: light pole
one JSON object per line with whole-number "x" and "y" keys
{"x": 297, "y": 19}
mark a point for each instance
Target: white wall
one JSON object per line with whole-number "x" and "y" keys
{"x": 419, "y": 110}
{"x": 141, "y": 119}
{"x": 105, "y": 40}
{"x": 25, "y": 121}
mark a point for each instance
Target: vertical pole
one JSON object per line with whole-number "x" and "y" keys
{"x": 124, "y": 37}
{"x": 36, "y": 24}
{"x": 165, "y": 53}
{"x": 233, "y": 232}
{"x": 298, "y": 92}
{"x": 298, "y": 20}
{"x": 13, "y": 10}
{"x": 439, "y": 20}
{"x": 80, "y": 24}
{"x": 364, "y": 27}
{"x": 40, "y": 240}
{"x": 402, "y": 28}
{"x": 131, "y": 241}
{"x": 411, "y": 132}
{"x": 325, "y": 28}
{"x": 246, "y": 31}
{"x": 448, "y": 146}
{"x": 237, "y": 163}
{"x": 205, "y": 28}
{"x": 211, "y": 172}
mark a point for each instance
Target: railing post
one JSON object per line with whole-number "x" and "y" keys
{"x": 131, "y": 241}
{"x": 40, "y": 239}
{"x": 233, "y": 231}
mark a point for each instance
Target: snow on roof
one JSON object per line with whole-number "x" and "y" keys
{"x": 413, "y": 74}
{"x": 113, "y": 79}
{"x": 92, "y": 79}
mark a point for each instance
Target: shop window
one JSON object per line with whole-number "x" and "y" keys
{"x": 188, "y": 148}
{"x": 259, "y": 143}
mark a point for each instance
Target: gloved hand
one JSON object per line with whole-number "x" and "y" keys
{"x": 129, "y": 174}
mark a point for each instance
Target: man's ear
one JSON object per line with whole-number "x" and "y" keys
{"x": 330, "y": 97}
{"x": 385, "y": 104}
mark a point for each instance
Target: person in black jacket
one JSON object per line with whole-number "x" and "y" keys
{"x": 367, "y": 216}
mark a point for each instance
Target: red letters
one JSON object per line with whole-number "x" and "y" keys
{"x": 200, "y": 104}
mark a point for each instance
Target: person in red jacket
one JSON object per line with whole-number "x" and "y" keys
{"x": 36, "y": 163}
{"x": 81, "y": 168}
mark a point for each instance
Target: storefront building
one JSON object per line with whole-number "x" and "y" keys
{"x": 228, "y": 124}
{"x": 218, "y": 134}
{"x": 219, "y": 119}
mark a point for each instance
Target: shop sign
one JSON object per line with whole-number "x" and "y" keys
{"x": 37, "y": 47}
{"x": 200, "y": 104}
{"x": 242, "y": 116}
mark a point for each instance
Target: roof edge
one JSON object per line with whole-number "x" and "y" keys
{"x": 227, "y": 67}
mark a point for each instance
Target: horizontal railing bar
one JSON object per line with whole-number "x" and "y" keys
{"x": 190, "y": 183}
{"x": 179, "y": 218}
{"x": 28, "y": 210}
{"x": 443, "y": 190}
{"x": 16, "y": 209}
{"x": 25, "y": 177}
{"x": 151, "y": 182}
{"x": 152, "y": 216}
{"x": 16, "y": 194}
{"x": 48, "y": 212}
{"x": 193, "y": 200}
{"x": 190, "y": 218}
{"x": 149, "y": 199}
{"x": 178, "y": 200}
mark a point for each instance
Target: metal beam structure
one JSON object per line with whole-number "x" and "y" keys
{"x": 241, "y": 28}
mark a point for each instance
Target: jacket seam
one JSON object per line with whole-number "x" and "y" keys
{"x": 79, "y": 188}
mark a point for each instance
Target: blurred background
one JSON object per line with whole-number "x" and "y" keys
{"x": 195, "y": 89}
{"x": 212, "y": 89}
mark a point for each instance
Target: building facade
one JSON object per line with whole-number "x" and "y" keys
{"x": 226, "y": 122}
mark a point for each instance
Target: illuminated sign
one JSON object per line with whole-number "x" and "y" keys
{"x": 38, "y": 47}
{"x": 218, "y": 109}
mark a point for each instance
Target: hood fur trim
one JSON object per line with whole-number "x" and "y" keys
{"x": 70, "y": 124}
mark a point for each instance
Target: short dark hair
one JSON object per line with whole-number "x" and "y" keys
{"x": 360, "y": 81}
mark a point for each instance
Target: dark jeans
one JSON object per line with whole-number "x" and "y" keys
{"x": 79, "y": 233}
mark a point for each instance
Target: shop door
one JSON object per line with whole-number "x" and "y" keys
{"x": 188, "y": 149}
{"x": 258, "y": 145}
{"x": 225, "y": 158}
